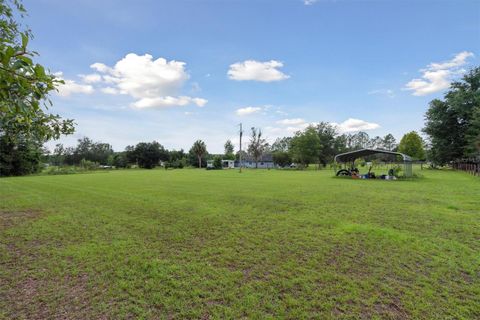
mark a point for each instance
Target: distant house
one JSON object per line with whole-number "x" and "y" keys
{"x": 265, "y": 162}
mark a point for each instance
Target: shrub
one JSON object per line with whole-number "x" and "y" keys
{"x": 60, "y": 170}
{"x": 217, "y": 163}
{"x": 176, "y": 164}
{"x": 88, "y": 165}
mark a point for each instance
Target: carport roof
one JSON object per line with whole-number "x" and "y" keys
{"x": 352, "y": 155}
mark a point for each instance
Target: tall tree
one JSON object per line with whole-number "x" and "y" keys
{"x": 389, "y": 143}
{"x": 229, "y": 150}
{"x": 147, "y": 154}
{"x": 375, "y": 143}
{"x": 281, "y": 158}
{"x": 199, "y": 148}
{"x": 119, "y": 160}
{"x": 452, "y": 123}
{"x": 130, "y": 155}
{"x": 257, "y": 145}
{"x": 359, "y": 140}
{"x": 280, "y": 151}
{"x": 341, "y": 143}
{"x": 305, "y": 146}
{"x": 58, "y": 156}
{"x": 24, "y": 89}
{"x": 19, "y": 155}
{"x": 473, "y": 134}
{"x": 281, "y": 144}
{"x": 412, "y": 145}
{"x": 326, "y": 134}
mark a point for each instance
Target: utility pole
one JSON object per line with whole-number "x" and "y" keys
{"x": 240, "y": 153}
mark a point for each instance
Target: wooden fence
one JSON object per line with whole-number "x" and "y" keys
{"x": 471, "y": 166}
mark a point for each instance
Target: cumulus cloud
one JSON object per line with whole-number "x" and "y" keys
{"x": 91, "y": 78}
{"x": 437, "y": 76}
{"x": 459, "y": 60}
{"x": 72, "y": 87}
{"x": 290, "y": 126}
{"x": 309, "y": 2}
{"x": 153, "y": 83}
{"x": 168, "y": 101}
{"x": 100, "y": 67}
{"x": 247, "y": 111}
{"x": 109, "y": 90}
{"x": 352, "y": 125}
{"x": 296, "y": 122}
{"x": 257, "y": 71}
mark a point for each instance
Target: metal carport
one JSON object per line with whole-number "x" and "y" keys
{"x": 361, "y": 153}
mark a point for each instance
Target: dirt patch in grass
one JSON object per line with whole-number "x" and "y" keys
{"x": 68, "y": 298}
{"x": 28, "y": 290}
{"x": 10, "y": 219}
{"x": 392, "y": 309}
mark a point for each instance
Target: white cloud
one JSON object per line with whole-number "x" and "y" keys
{"x": 154, "y": 83}
{"x": 437, "y": 76}
{"x": 271, "y": 133}
{"x": 459, "y": 60}
{"x": 383, "y": 92}
{"x": 295, "y": 122}
{"x": 199, "y": 101}
{"x": 168, "y": 101}
{"x": 257, "y": 71}
{"x": 309, "y": 2}
{"x": 247, "y": 111}
{"x": 100, "y": 67}
{"x": 292, "y": 130}
{"x": 71, "y": 87}
{"x": 352, "y": 125}
{"x": 290, "y": 126}
{"x": 91, "y": 78}
{"x": 109, "y": 90}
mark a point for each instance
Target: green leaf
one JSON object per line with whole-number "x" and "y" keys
{"x": 39, "y": 71}
{"x": 24, "y": 41}
{"x": 27, "y": 60}
{"x": 7, "y": 56}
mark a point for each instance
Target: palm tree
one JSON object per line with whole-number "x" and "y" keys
{"x": 199, "y": 148}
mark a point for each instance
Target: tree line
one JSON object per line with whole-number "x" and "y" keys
{"x": 315, "y": 144}
{"x": 147, "y": 155}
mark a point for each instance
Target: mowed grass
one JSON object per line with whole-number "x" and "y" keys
{"x": 200, "y": 244}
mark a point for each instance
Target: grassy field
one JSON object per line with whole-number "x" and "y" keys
{"x": 218, "y": 244}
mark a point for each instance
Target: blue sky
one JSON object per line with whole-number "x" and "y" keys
{"x": 177, "y": 71}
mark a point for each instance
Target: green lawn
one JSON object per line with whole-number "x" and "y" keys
{"x": 219, "y": 244}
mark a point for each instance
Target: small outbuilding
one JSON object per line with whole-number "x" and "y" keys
{"x": 228, "y": 164}
{"x": 393, "y": 158}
